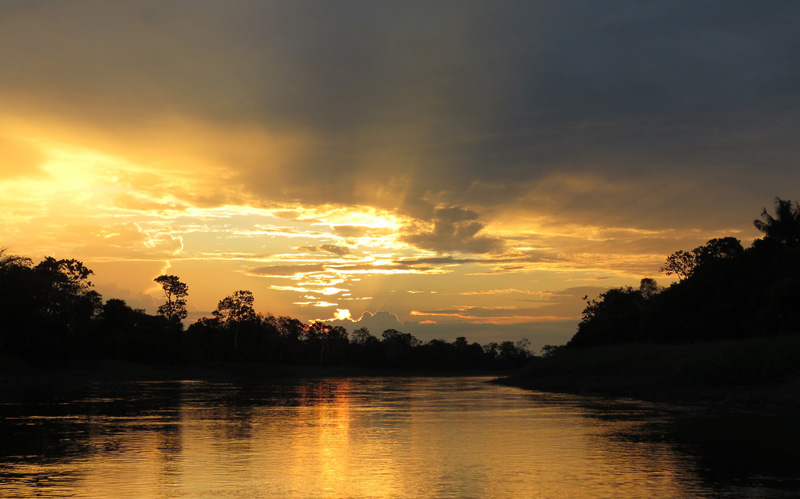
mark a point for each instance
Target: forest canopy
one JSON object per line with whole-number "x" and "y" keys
{"x": 50, "y": 315}
{"x": 723, "y": 291}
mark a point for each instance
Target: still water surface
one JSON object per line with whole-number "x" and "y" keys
{"x": 379, "y": 438}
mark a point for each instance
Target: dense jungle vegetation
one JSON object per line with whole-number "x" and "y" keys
{"x": 51, "y": 316}
{"x": 732, "y": 318}
{"x": 724, "y": 291}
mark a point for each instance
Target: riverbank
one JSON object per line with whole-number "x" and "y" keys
{"x": 754, "y": 373}
{"x": 16, "y": 373}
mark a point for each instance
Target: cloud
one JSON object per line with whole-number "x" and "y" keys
{"x": 554, "y": 332}
{"x": 376, "y": 322}
{"x": 329, "y": 248}
{"x": 134, "y": 299}
{"x": 454, "y": 230}
{"x": 493, "y": 315}
{"x": 133, "y": 202}
{"x": 351, "y": 230}
{"x": 410, "y": 106}
{"x": 510, "y": 143}
{"x": 352, "y": 269}
{"x": 286, "y": 270}
{"x": 501, "y": 292}
{"x": 118, "y": 241}
{"x": 543, "y": 307}
{"x": 437, "y": 261}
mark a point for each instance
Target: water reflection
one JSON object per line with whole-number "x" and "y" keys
{"x": 376, "y": 438}
{"x": 734, "y": 453}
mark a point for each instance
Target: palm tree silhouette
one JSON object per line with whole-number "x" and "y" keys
{"x": 784, "y": 228}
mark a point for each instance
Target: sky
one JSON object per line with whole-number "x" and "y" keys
{"x": 443, "y": 168}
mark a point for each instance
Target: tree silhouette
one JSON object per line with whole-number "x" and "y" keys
{"x": 234, "y": 310}
{"x": 784, "y": 228}
{"x": 329, "y": 340}
{"x": 237, "y": 307}
{"x": 399, "y": 346}
{"x": 175, "y": 291}
{"x": 65, "y": 292}
{"x": 685, "y": 263}
{"x": 16, "y": 293}
{"x": 10, "y": 261}
{"x": 361, "y": 336}
{"x": 45, "y": 309}
{"x": 681, "y": 263}
{"x": 648, "y": 288}
{"x": 49, "y": 314}
{"x": 66, "y": 276}
{"x": 611, "y": 318}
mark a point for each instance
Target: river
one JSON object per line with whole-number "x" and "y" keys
{"x": 382, "y": 437}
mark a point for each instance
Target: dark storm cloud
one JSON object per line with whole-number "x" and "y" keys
{"x": 681, "y": 106}
{"x": 454, "y": 229}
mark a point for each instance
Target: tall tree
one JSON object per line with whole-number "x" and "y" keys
{"x": 65, "y": 291}
{"x": 175, "y": 292}
{"x": 784, "y": 227}
{"x": 12, "y": 261}
{"x": 66, "y": 276}
{"x": 648, "y": 288}
{"x": 685, "y": 263}
{"x": 16, "y": 293}
{"x": 234, "y": 310}
{"x": 362, "y": 336}
{"x": 237, "y": 307}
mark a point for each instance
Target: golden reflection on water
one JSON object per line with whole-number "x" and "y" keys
{"x": 319, "y": 451}
{"x": 349, "y": 438}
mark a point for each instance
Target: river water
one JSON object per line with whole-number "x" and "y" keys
{"x": 386, "y": 437}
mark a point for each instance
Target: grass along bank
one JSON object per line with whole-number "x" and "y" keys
{"x": 758, "y": 372}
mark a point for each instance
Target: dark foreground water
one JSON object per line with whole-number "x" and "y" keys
{"x": 379, "y": 438}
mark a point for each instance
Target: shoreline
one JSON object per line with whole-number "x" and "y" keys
{"x": 779, "y": 397}
{"x": 124, "y": 371}
{"x": 757, "y": 373}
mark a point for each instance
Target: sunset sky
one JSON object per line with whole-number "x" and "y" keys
{"x": 444, "y": 168}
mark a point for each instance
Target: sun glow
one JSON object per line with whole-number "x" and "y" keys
{"x": 124, "y": 211}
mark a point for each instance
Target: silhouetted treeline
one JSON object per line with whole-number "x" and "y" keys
{"x": 723, "y": 291}
{"x": 49, "y": 314}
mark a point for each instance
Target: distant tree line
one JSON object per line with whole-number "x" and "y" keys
{"x": 50, "y": 314}
{"x": 723, "y": 291}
